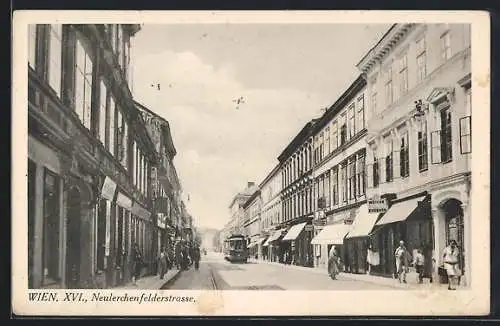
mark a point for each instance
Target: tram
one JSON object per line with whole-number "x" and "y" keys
{"x": 235, "y": 249}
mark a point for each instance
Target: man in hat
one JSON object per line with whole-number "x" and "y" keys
{"x": 403, "y": 259}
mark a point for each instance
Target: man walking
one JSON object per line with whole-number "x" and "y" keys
{"x": 402, "y": 261}
{"x": 163, "y": 262}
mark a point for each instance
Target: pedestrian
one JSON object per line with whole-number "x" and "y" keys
{"x": 450, "y": 260}
{"x": 419, "y": 262}
{"x": 333, "y": 263}
{"x": 369, "y": 259}
{"x": 403, "y": 258}
{"x": 196, "y": 257}
{"x": 163, "y": 262}
{"x": 137, "y": 263}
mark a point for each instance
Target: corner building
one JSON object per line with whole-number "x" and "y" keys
{"x": 419, "y": 141}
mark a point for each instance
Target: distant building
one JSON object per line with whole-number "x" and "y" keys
{"x": 271, "y": 213}
{"x": 236, "y": 208}
{"x": 251, "y": 223}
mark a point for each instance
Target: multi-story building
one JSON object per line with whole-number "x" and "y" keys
{"x": 339, "y": 177}
{"x": 292, "y": 239}
{"x": 252, "y": 212}
{"x": 271, "y": 213}
{"x": 419, "y": 140}
{"x": 89, "y": 157}
{"x": 236, "y": 209}
{"x": 166, "y": 185}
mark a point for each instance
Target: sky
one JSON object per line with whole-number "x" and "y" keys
{"x": 286, "y": 74}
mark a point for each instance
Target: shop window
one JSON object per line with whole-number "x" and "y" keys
{"x": 55, "y": 58}
{"x": 51, "y": 217}
{"x": 101, "y": 235}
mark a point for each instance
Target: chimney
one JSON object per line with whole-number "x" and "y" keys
{"x": 250, "y": 184}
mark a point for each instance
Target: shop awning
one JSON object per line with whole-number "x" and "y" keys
{"x": 332, "y": 234}
{"x": 275, "y": 236}
{"x": 400, "y": 211}
{"x": 294, "y": 232}
{"x": 363, "y": 223}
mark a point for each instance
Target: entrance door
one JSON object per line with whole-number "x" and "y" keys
{"x": 73, "y": 239}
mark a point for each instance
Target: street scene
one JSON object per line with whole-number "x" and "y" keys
{"x": 249, "y": 156}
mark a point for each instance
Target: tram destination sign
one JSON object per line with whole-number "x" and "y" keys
{"x": 377, "y": 205}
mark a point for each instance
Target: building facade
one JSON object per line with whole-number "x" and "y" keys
{"x": 89, "y": 158}
{"x": 166, "y": 186}
{"x": 419, "y": 141}
{"x": 252, "y": 210}
{"x": 339, "y": 178}
{"x": 271, "y": 212}
{"x": 292, "y": 239}
{"x": 236, "y": 210}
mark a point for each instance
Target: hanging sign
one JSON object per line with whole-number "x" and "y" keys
{"x": 124, "y": 201}
{"x": 377, "y": 205}
{"x": 161, "y": 220}
{"x": 140, "y": 211}
{"x": 108, "y": 189}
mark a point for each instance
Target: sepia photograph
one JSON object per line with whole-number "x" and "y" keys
{"x": 186, "y": 163}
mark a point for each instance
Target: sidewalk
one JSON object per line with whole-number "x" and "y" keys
{"x": 152, "y": 282}
{"x": 411, "y": 277}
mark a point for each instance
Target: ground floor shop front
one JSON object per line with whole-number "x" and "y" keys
{"x": 81, "y": 224}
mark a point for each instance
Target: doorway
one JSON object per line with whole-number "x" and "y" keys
{"x": 73, "y": 238}
{"x": 454, "y": 227}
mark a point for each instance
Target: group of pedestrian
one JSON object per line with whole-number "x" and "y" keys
{"x": 184, "y": 257}
{"x": 450, "y": 258}
{"x": 403, "y": 259}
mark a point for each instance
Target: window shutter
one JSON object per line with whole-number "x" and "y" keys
{"x": 465, "y": 135}
{"x": 436, "y": 147}
{"x": 396, "y": 164}
{"x": 369, "y": 175}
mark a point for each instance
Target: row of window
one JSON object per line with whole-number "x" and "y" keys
{"x": 393, "y": 90}
{"x": 298, "y": 204}
{"x": 271, "y": 216}
{"x": 344, "y": 182}
{"x": 441, "y": 146}
{"x": 106, "y": 120}
{"x": 337, "y": 133}
{"x": 297, "y": 165}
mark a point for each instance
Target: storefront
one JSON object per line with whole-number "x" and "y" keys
{"x": 330, "y": 235}
{"x": 410, "y": 220}
{"x": 357, "y": 241}
{"x": 121, "y": 238}
{"x": 276, "y": 249}
{"x": 144, "y": 235}
{"x": 299, "y": 239}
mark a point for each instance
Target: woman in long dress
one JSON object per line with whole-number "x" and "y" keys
{"x": 333, "y": 263}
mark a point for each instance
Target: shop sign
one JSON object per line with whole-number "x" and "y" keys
{"x": 162, "y": 218}
{"x": 124, "y": 201}
{"x": 140, "y": 211}
{"x": 377, "y": 205}
{"x": 108, "y": 189}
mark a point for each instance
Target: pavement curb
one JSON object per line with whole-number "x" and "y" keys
{"x": 171, "y": 280}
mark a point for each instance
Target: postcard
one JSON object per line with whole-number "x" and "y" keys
{"x": 250, "y": 163}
